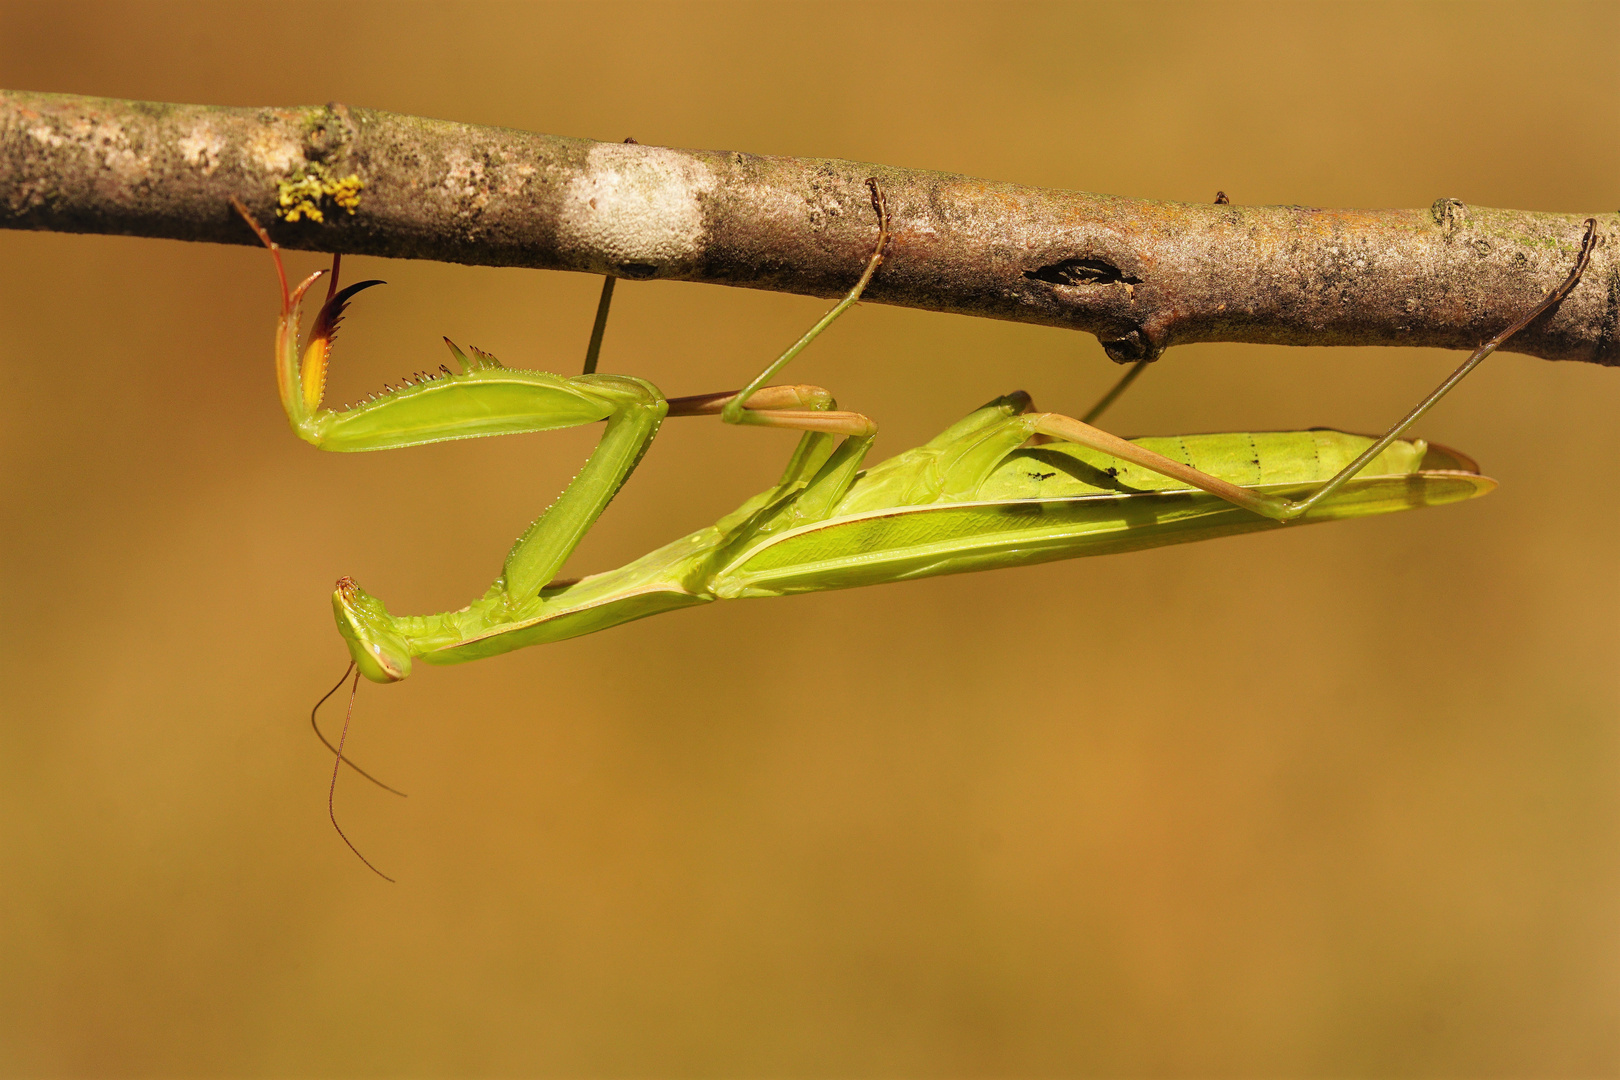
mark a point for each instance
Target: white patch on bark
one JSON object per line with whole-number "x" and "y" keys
{"x": 513, "y": 178}
{"x": 113, "y": 143}
{"x": 636, "y": 204}
{"x": 105, "y": 140}
{"x": 274, "y": 152}
{"x": 44, "y": 135}
{"x": 464, "y": 180}
{"x": 200, "y": 148}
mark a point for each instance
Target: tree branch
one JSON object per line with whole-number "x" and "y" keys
{"x": 1140, "y": 275}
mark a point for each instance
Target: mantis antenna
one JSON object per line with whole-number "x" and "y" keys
{"x": 319, "y": 734}
{"x": 331, "y": 791}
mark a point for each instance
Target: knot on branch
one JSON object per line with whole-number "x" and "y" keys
{"x": 1449, "y": 214}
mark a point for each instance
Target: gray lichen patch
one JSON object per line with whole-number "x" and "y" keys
{"x": 103, "y": 141}
{"x": 269, "y": 147}
{"x": 201, "y": 147}
{"x": 640, "y": 207}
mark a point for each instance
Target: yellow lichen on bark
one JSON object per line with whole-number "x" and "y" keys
{"x": 300, "y": 195}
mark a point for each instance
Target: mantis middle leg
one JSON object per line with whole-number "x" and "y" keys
{"x": 735, "y": 411}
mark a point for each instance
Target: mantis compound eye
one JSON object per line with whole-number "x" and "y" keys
{"x": 380, "y": 654}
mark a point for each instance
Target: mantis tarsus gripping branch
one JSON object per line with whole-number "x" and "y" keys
{"x": 985, "y": 493}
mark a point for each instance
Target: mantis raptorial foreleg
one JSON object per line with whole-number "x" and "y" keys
{"x": 484, "y": 398}
{"x": 487, "y": 398}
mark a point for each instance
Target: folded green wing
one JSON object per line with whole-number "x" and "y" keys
{"x": 1062, "y": 502}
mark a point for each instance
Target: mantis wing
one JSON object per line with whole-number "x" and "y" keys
{"x": 1062, "y": 502}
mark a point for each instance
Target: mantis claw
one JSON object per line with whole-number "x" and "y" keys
{"x": 318, "y": 351}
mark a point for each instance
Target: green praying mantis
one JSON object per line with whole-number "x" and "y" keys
{"x": 1005, "y": 486}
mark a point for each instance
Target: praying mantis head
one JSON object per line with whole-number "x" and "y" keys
{"x": 380, "y": 654}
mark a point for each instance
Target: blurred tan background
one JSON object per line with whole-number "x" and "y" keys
{"x": 1340, "y": 801}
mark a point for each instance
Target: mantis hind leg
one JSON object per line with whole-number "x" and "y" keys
{"x": 1276, "y": 507}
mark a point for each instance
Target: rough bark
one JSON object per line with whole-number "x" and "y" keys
{"x": 1140, "y": 275}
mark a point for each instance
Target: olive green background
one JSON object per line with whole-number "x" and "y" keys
{"x": 1330, "y": 802}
